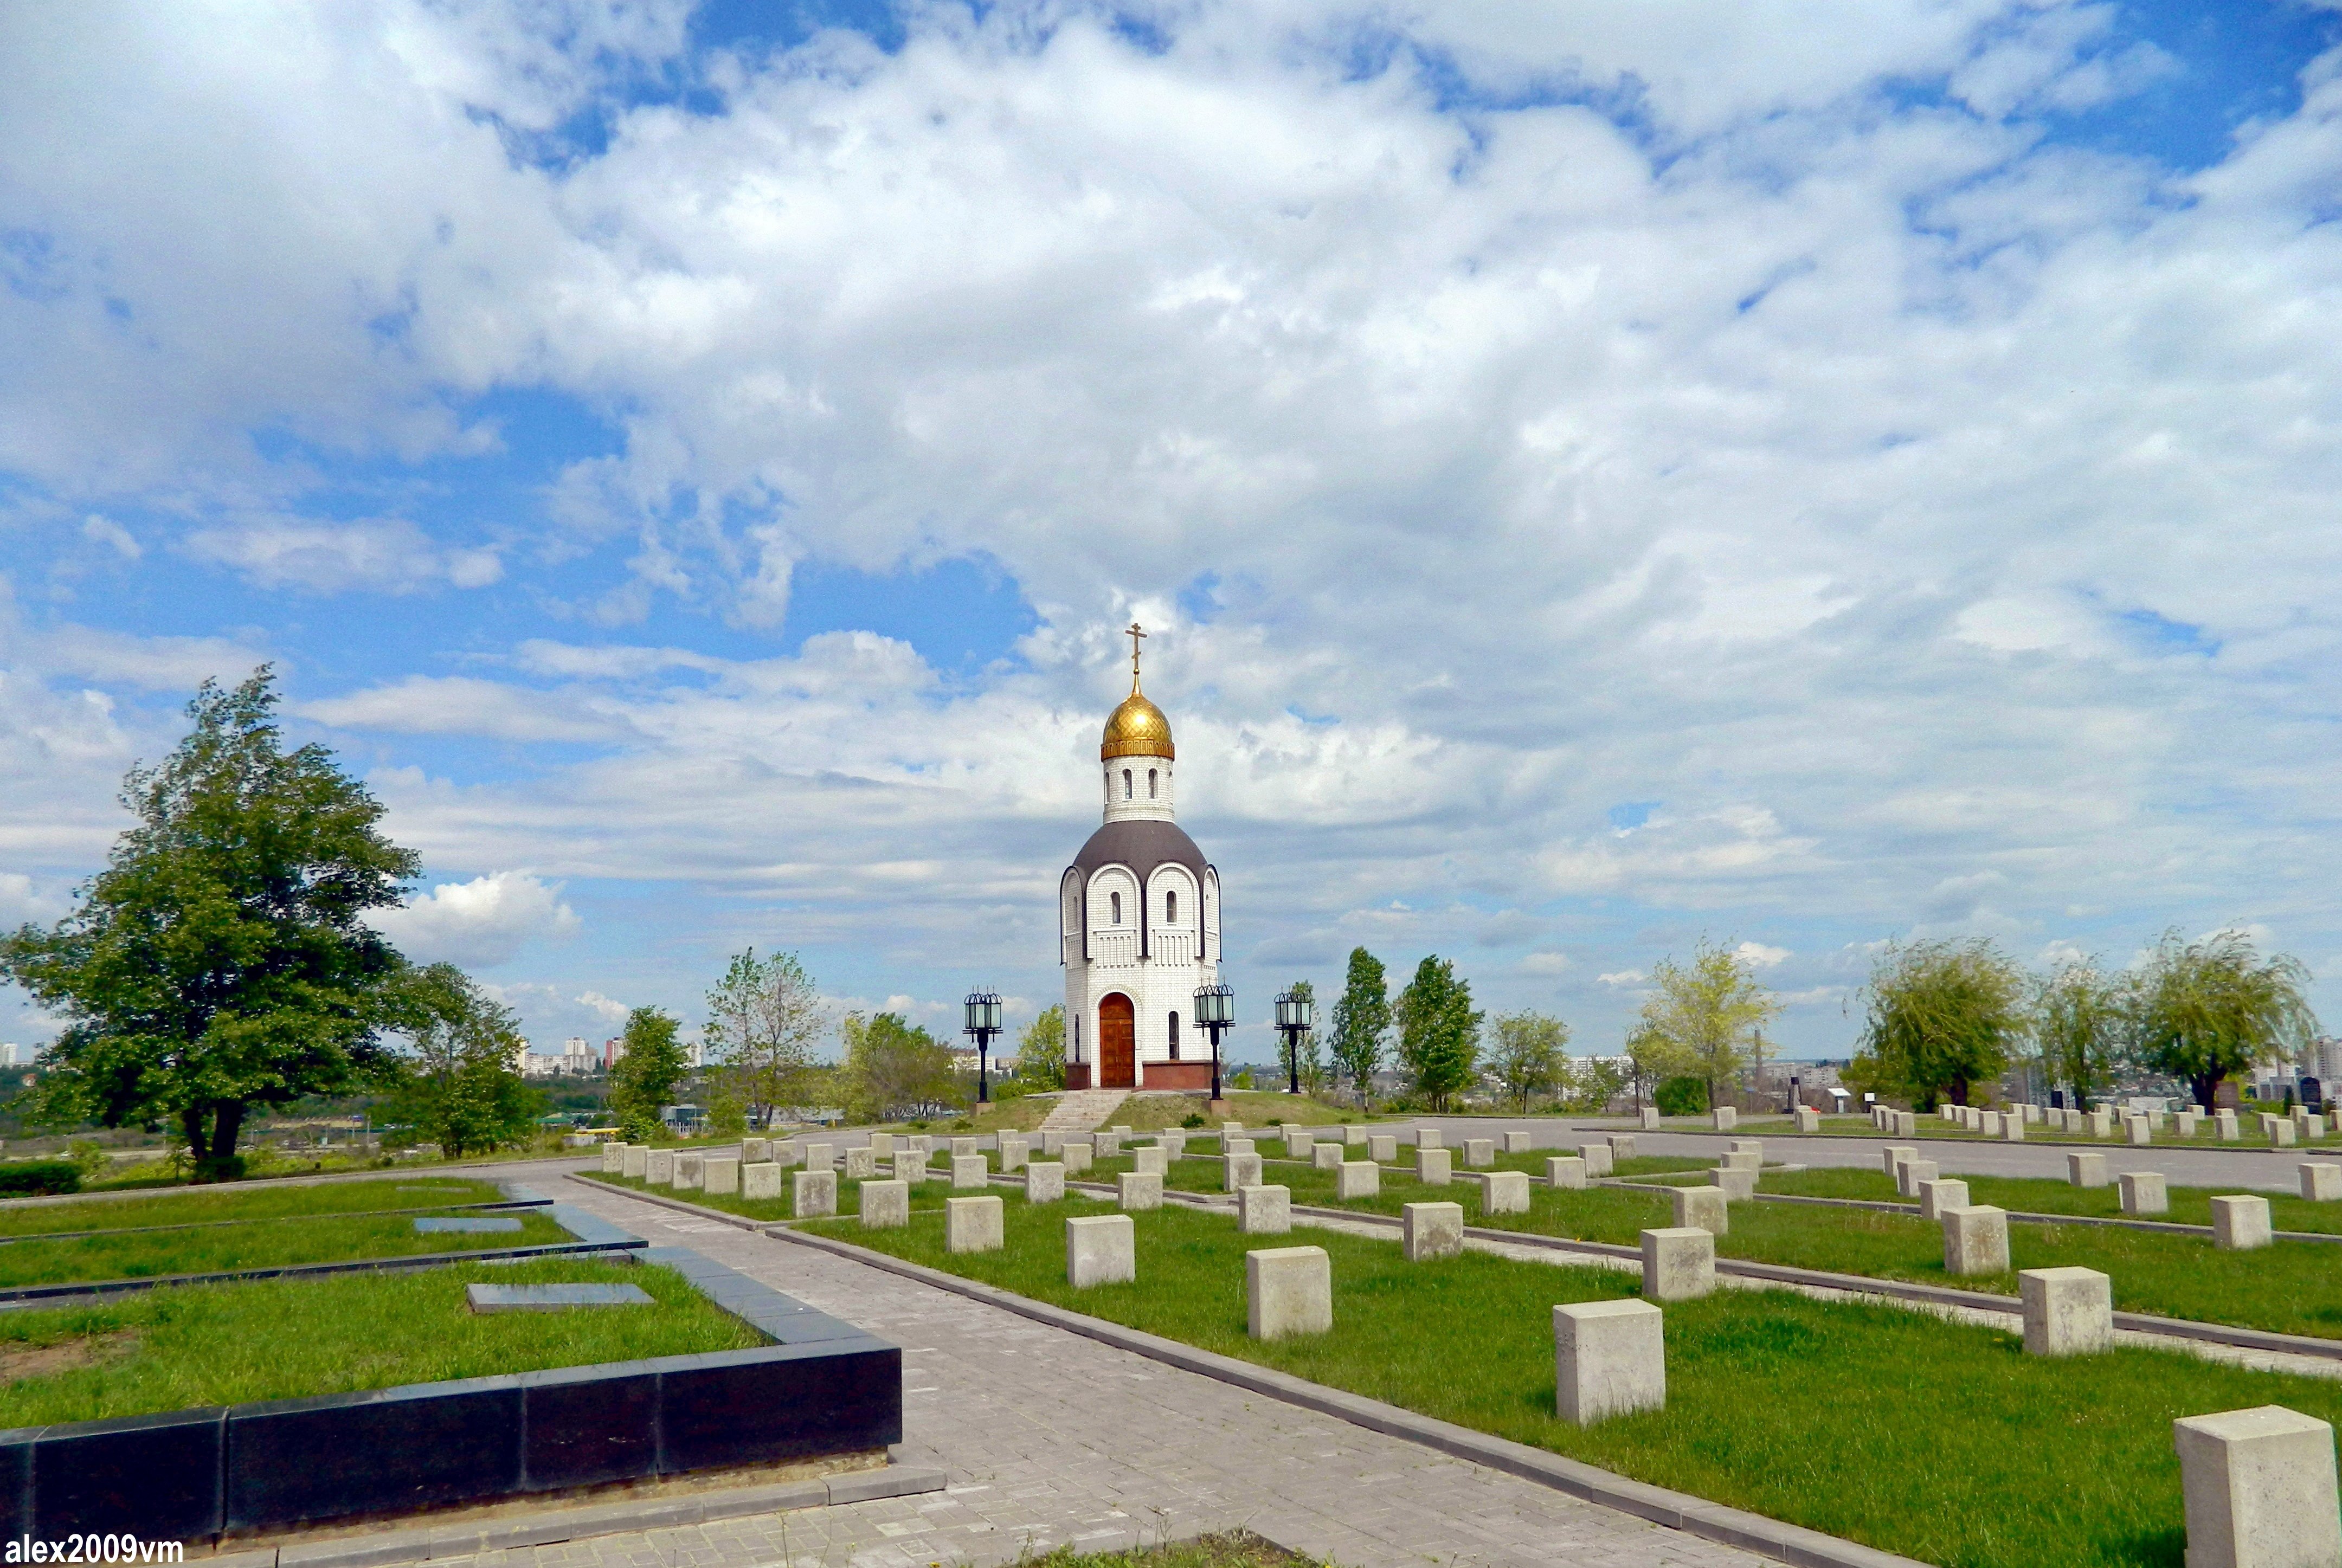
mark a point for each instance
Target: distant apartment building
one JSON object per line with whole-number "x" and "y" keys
{"x": 613, "y": 1053}
{"x": 15, "y": 1055}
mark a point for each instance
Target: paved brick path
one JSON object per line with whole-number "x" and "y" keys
{"x": 1050, "y": 1438}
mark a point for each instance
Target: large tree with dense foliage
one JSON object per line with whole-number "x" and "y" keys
{"x": 764, "y": 1019}
{"x": 895, "y": 1069}
{"x": 1941, "y": 1017}
{"x": 2079, "y": 1022}
{"x": 222, "y": 959}
{"x": 1531, "y": 1056}
{"x": 1041, "y": 1050}
{"x": 643, "y": 1082}
{"x": 460, "y": 1087}
{"x": 1361, "y": 1024}
{"x": 2205, "y": 1010}
{"x": 1703, "y": 1020}
{"x": 1438, "y": 1031}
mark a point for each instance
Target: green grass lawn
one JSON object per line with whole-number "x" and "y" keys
{"x": 143, "y": 1255}
{"x": 181, "y": 1345}
{"x": 928, "y": 1194}
{"x": 211, "y": 1205}
{"x": 2292, "y": 1287}
{"x": 1940, "y": 1440}
{"x": 1932, "y": 1129}
{"x": 2043, "y": 1195}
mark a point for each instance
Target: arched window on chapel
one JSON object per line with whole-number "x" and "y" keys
{"x": 1126, "y": 783}
{"x": 1150, "y": 784}
{"x": 1171, "y": 913}
{"x": 1115, "y": 900}
{"x": 1174, "y": 1037}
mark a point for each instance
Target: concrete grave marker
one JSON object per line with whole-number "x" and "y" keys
{"x": 817, "y": 1193}
{"x": 2086, "y": 1170}
{"x": 1622, "y": 1144}
{"x": 661, "y": 1170}
{"x": 2321, "y": 1182}
{"x": 861, "y": 1165}
{"x": 761, "y": 1182}
{"x": 1975, "y": 1239}
{"x": 969, "y": 1171}
{"x": 1382, "y": 1150}
{"x": 2259, "y": 1489}
{"x": 2067, "y": 1312}
{"x": 614, "y": 1158}
{"x": 1566, "y": 1171}
{"x": 721, "y": 1175}
{"x": 1155, "y": 1162}
{"x": 1505, "y": 1193}
{"x": 756, "y": 1150}
{"x": 1288, "y": 1290}
{"x": 2145, "y": 1193}
{"x": 467, "y": 1225}
{"x": 636, "y": 1164}
{"x": 1014, "y": 1152}
{"x": 1326, "y": 1156}
{"x": 1701, "y": 1206}
{"x": 1609, "y": 1359}
{"x": 2240, "y": 1223}
{"x": 1909, "y": 1173}
{"x": 909, "y": 1166}
{"x": 1427, "y": 1138}
{"x": 1431, "y": 1166}
{"x": 1135, "y": 1190}
{"x": 1045, "y": 1182}
{"x": 820, "y": 1157}
{"x": 690, "y": 1172}
{"x": 1101, "y": 1250}
{"x": 1479, "y": 1152}
{"x": 975, "y": 1225}
{"x": 1075, "y": 1156}
{"x": 1264, "y": 1211}
{"x": 1678, "y": 1264}
{"x": 1357, "y": 1179}
{"x": 1429, "y": 1230}
{"x": 1516, "y": 1141}
{"x": 886, "y": 1205}
{"x": 1649, "y": 1119}
{"x": 1940, "y": 1194}
{"x": 1724, "y": 1118}
{"x": 1238, "y": 1172}
{"x": 1597, "y": 1157}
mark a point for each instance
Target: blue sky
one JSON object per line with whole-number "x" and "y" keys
{"x": 1596, "y": 483}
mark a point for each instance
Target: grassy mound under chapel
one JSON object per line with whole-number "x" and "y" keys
{"x": 2291, "y": 1287}
{"x": 1937, "y": 1440}
{"x": 179, "y": 1346}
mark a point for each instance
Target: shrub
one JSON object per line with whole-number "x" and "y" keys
{"x": 1681, "y": 1096}
{"x": 1192, "y": 1119}
{"x": 39, "y": 1178}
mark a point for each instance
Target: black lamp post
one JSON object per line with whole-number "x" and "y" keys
{"x": 984, "y": 1022}
{"x": 1215, "y": 1009}
{"x": 1295, "y": 1015}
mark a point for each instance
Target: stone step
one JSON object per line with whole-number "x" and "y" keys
{"x": 1083, "y": 1110}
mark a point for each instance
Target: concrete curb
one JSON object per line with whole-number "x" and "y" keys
{"x": 555, "y": 1525}
{"x": 1674, "y": 1509}
{"x": 2169, "y": 1227}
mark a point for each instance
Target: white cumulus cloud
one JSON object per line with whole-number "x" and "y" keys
{"x": 483, "y": 922}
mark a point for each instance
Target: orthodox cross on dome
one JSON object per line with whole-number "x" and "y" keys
{"x": 1133, "y": 634}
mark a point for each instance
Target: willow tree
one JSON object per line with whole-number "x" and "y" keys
{"x": 1942, "y": 1017}
{"x": 222, "y": 959}
{"x": 2205, "y": 1010}
{"x": 2079, "y": 1020}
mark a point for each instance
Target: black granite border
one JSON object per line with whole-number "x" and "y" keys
{"x": 824, "y": 1387}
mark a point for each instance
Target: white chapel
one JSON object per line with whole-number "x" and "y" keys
{"x": 1138, "y": 920}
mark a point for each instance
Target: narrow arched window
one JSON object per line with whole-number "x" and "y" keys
{"x": 1116, "y": 899}
{"x": 1174, "y": 1037}
{"x": 1171, "y": 913}
{"x": 1150, "y": 784}
{"x": 1126, "y": 783}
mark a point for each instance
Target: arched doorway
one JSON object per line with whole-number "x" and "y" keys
{"x": 1116, "y": 1038}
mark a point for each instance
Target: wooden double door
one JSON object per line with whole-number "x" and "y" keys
{"x": 1117, "y": 1038}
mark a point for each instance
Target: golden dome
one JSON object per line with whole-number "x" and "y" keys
{"x": 1137, "y": 729}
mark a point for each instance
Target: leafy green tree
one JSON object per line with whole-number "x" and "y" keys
{"x": 1531, "y": 1056}
{"x": 764, "y": 1019}
{"x": 2080, "y": 1020}
{"x": 2205, "y": 1010}
{"x": 222, "y": 959}
{"x": 1702, "y": 1018}
{"x": 1438, "y": 1031}
{"x": 461, "y": 1088}
{"x": 895, "y": 1071}
{"x": 1943, "y": 1017}
{"x": 643, "y": 1082}
{"x": 1041, "y": 1050}
{"x": 1362, "y": 1021}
